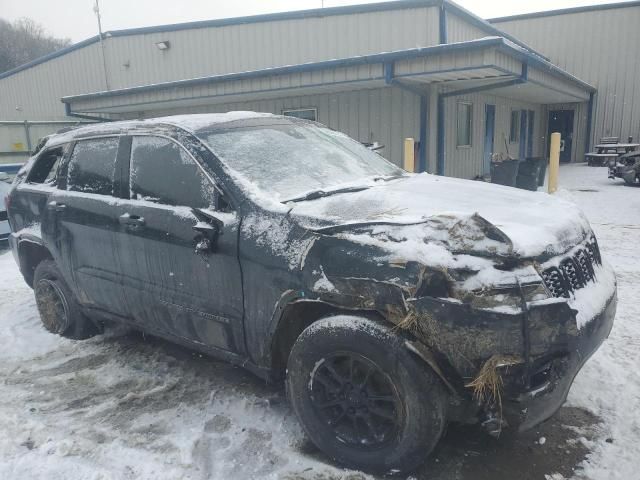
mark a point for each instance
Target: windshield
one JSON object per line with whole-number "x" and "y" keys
{"x": 290, "y": 159}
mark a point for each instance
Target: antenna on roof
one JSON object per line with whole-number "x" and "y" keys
{"x": 96, "y": 10}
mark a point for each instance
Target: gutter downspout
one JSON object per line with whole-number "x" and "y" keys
{"x": 424, "y": 108}
{"x": 443, "y": 24}
{"x": 523, "y": 78}
{"x": 591, "y": 104}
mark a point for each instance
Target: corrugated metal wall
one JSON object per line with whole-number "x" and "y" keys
{"x": 245, "y": 47}
{"x": 135, "y": 60}
{"x": 466, "y": 162}
{"x": 385, "y": 115}
{"x": 600, "y": 47}
{"x": 459, "y": 30}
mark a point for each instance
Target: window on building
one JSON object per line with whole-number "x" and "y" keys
{"x": 163, "y": 172}
{"x": 464, "y": 124}
{"x": 92, "y": 166}
{"x": 46, "y": 168}
{"x": 306, "y": 113}
{"x": 514, "y": 128}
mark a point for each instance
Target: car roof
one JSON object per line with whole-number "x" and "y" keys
{"x": 193, "y": 123}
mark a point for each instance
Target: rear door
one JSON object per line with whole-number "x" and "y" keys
{"x": 85, "y": 214}
{"x": 179, "y": 279}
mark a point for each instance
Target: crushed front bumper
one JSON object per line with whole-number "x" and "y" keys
{"x": 553, "y": 379}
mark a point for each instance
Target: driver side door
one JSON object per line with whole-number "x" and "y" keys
{"x": 178, "y": 249}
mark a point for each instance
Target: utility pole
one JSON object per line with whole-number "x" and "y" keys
{"x": 96, "y": 10}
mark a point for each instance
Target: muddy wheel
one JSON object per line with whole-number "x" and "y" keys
{"x": 58, "y": 308}
{"x": 362, "y": 397}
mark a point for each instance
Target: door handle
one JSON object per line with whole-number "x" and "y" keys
{"x": 131, "y": 220}
{"x": 58, "y": 207}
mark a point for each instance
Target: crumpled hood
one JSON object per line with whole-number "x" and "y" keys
{"x": 532, "y": 223}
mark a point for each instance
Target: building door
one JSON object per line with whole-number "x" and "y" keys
{"x": 561, "y": 121}
{"x": 489, "y": 134}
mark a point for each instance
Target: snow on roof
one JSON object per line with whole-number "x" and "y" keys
{"x": 191, "y": 123}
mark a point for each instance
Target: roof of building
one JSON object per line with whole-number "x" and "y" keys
{"x": 270, "y": 17}
{"x": 565, "y": 11}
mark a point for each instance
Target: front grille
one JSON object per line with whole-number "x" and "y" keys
{"x": 574, "y": 271}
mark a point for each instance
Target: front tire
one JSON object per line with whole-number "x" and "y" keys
{"x": 362, "y": 397}
{"x": 57, "y": 305}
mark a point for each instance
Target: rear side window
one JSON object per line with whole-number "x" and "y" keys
{"x": 45, "y": 169}
{"x": 92, "y": 166}
{"x": 163, "y": 172}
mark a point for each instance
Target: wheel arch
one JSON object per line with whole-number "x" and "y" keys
{"x": 30, "y": 254}
{"x": 295, "y": 316}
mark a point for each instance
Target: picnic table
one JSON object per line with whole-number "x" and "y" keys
{"x": 609, "y": 151}
{"x": 627, "y": 147}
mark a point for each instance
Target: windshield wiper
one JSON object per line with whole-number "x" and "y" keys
{"x": 324, "y": 193}
{"x": 386, "y": 178}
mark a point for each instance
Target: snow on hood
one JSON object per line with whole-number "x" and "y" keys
{"x": 532, "y": 223}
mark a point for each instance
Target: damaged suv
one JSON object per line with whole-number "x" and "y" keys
{"x": 389, "y": 303}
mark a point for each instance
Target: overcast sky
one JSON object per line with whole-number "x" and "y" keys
{"x": 75, "y": 18}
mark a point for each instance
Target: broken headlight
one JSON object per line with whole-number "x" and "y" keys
{"x": 508, "y": 298}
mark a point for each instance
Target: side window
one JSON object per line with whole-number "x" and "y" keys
{"x": 92, "y": 166}
{"x": 45, "y": 169}
{"x": 163, "y": 172}
{"x": 464, "y": 124}
{"x": 514, "y": 127}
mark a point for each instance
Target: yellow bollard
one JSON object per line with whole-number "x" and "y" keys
{"x": 409, "y": 163}
{"x": 554, "y": 162}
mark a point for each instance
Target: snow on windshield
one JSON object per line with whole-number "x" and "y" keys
{"x": 288, "y": 160}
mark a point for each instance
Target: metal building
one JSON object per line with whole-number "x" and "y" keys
{"x": 600, "y": 45}
{"x": 426, "y": 69}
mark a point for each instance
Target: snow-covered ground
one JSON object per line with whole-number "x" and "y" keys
{"x": 121, "y": 406}
{"x": 609, "y": 384}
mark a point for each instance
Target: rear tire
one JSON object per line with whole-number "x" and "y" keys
{"x": 57, "y": 305}
{"x": 362, "y": 397}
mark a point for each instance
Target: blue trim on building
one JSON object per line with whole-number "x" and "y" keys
{"x": 590, "y": 108}
{"x": 442, "y": 16}
{"x": 440, "y": 150}
{"x": 565, "y": 11}
{"x": 422, "y": 151}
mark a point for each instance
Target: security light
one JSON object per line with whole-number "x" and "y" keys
{"x": 164, "y": 45}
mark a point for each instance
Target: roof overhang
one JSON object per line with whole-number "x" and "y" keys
{"x": 483, "y": 62}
